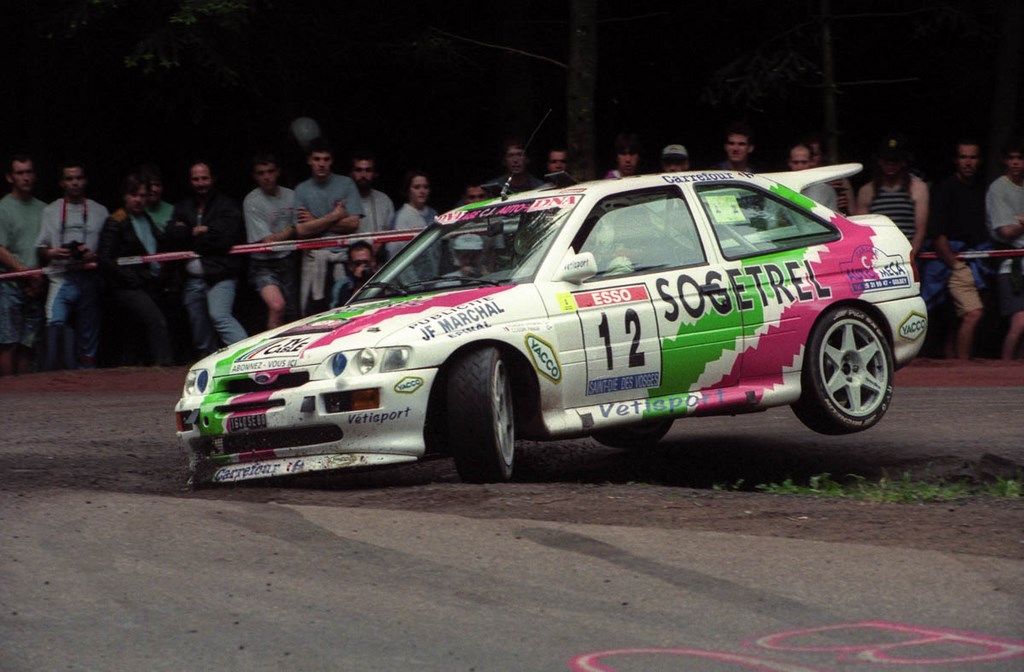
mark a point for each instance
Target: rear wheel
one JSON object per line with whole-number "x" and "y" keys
{"x": 481, "y": 421}
{"x": 637, "y": 437}
{"x": 847, "y": 376}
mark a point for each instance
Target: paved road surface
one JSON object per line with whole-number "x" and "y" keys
{"x": 595, "y": 562}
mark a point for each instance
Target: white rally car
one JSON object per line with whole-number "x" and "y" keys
{"x": 607, "y": 309}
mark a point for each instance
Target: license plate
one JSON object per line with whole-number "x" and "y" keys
{"x": 242, "y": 422}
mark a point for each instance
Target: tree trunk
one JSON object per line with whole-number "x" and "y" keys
{"x": 1006, "y": 97}
{"x": 580, "y": 87}
{"x": 828, "y": 86}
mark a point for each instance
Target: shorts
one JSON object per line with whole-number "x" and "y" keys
{"x": 1009, "y": 303}
{"x": 279, "y": 272}
{"x": 21, "y": 317}
{"x": 963, "y": 291}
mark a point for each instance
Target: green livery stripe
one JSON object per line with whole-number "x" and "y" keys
{"x": 700, "y": 343}
{"x": 793, "y": 196}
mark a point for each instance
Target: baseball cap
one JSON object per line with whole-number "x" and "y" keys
{"x": 894, "y": 148}
{"x": 676, "y": 152}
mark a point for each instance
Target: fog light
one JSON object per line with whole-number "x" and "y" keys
{"x": 351, "y": 400}
{"x": 182, "y": 420}
{"x": 365, "y": 399}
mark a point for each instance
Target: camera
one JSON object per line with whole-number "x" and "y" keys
{"x": 73, "y": 248}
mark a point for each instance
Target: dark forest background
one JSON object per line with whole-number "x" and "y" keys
{"x": 439, "y": 85}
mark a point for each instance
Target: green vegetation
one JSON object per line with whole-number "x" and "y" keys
{"x": 902, "y": 490}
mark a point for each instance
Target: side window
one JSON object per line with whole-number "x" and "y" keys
{"x": 642, "y": 231}
{"x": 750, "y": 222}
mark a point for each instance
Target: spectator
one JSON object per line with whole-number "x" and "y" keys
{"x": 473, "y": 193}
{"x": 627, "y": 156}
{"x": 377, "y": 207}
{"x": 515, "y": 162}
{"x": 558, "y": 161}
{"x": 208, "y": 223}
{"x": 326, "y": 203}
{"x": 675, "y": 159}
{"x": 842, "y": 186}
{"x": 360, "y": 265}
{"x": 268, "y": 211}
{"x": 800, "y": 159}
{"x": 957, "y": 223}
{"x": 21, "y": 301}
{"x": 1004, "y": 210}
{"x": 739, "y": 145}
{"x": 896, "y": 193}
{"x": 414, "y": 214}
{"x": 69, "y": 235}
{"x": 159, "y": 210}
{"x": 130, "y": 231}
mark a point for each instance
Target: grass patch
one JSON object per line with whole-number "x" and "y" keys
{"x": 901, "y": 490}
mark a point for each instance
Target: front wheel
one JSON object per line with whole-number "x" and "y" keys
{"x": 847, "y": 376}
{"x": 481, "y": 422}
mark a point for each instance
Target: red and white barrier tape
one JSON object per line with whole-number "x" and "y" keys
{"x": 389, "y": 237}
{"x": 977, "y": 254}
{"x": 247, "y": 248}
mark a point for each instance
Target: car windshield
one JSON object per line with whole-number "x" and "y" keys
{"x": 494, "y": 243}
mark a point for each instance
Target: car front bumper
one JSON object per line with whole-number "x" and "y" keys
{"x": 370, "y": 420}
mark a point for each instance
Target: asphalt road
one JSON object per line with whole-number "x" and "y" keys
{"x": 595, "y": 561}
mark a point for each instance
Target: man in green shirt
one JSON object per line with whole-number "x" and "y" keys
{"x": 20, "y": 300}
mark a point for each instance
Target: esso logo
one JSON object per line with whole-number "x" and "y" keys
{"x": 609, "y": 296}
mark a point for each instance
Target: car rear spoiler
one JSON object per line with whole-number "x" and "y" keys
{"x": 800, "y": 179}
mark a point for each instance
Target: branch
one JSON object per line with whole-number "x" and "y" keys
{"x": 622, "y": 19}
{"x": 880, "y": 81}
{"x": 875, "y": 15}
{"x": 502, "y": 48}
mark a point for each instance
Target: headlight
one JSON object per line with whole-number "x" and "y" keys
{"x": 196, "y": 381}
{"x": 395, "y": 359}
{"x": 338, "y": 363}
{"x": 365, "y": 360}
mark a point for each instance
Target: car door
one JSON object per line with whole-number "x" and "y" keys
{"x": 769, "y": 247}
{"x": 640, "y": 239}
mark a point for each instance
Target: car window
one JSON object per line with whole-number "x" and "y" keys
{"x": 749, "y": 222}
{"x": 641, "y": 231}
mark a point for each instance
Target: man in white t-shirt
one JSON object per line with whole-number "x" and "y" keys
{"x": 269, "y": 211}
{"x": 1004, "y": 214}
{"x": 377, "y": 207}
{"x": 69, "y": 236}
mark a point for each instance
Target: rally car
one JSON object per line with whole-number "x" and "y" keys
{"x": 609, "y": 309}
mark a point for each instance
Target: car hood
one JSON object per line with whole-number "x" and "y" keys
{"x": 408, "y": 320}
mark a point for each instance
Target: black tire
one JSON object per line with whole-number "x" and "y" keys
{"x": 481, "y": 421}
{"x": 636, "y": 437}
{"x": 847, "y": 376}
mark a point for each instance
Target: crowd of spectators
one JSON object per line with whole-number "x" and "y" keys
{"x": 171, "y": 313}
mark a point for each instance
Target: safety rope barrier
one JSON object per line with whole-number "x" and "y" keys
{"x": 401, "y": 235}
{"x": 337, "y": 241}
{"x": 977, "y": 254}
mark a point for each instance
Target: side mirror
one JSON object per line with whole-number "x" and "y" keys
{"x": 576, "y": 268}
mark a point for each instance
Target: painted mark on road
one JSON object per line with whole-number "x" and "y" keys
{"x": 865, "y": 642}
